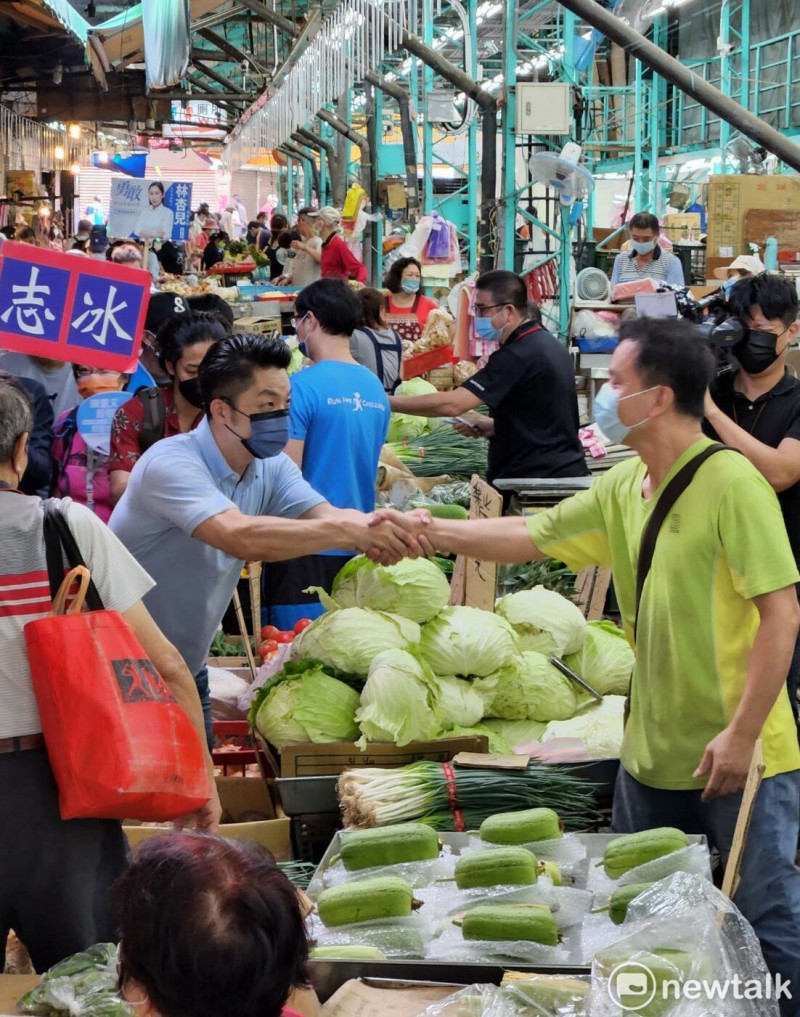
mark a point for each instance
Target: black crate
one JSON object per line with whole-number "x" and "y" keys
{"x": 311, "y": 835}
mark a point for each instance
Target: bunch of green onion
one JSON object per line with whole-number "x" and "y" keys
{"x": 443, "y": 451}
{"x": 423, "y": 791}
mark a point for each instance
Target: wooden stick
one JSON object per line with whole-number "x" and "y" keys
{"x": 254, "y": 579}
{"x": 248, "y": 649}
{"x": 730, "y": 883}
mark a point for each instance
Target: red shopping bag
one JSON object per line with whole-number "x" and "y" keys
{"x": 119, "y": 744}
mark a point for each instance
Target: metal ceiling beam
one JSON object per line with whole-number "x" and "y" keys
{"x": 215, "y": 56}
{"x": 272, "y": 17}
{"x": 345, "y": 129}
{"x": 206, "y": 94}
{"x": 409, "y": 131}
{"x": 219, "y": 78}
{"x": 686, "y": 80}
{"x": 231, "y": 50}
{"x": 310, "y": 29}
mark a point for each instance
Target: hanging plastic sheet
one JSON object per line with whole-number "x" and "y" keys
{"x": 167, "y": 41}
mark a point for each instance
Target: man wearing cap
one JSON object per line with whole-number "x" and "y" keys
{"x": 82, "y": 236}
{"x": 304, "y": 268}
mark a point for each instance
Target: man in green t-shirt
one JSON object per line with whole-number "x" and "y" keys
{"x": 716, "y": 625}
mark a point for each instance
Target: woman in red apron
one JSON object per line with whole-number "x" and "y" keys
{"x": 407, "y": 309}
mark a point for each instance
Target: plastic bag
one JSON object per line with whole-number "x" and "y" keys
{"x": 451, "y": 946}
{"x": 588, "y": 323}
{"x": 84, "y": 985}
{"x": 682, "y": 929}
{"x": 396, "y": 937}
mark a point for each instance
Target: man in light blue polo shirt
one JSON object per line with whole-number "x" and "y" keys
{"x": 646, "y": 258}
{"x": 200, "y": 504}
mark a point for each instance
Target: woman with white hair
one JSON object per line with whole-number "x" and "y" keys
{"x": 336, "y": 259}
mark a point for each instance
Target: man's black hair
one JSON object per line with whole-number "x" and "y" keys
{"x": 774, "y": 294}
{"x": 644, "y": 221}
{"x": 333, "y": 303}
{"x": 228, "y": 367}
{"x": 672, "y": 353}
{"x": 505, "y": 288}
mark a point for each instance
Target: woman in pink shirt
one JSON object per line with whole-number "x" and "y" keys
{"x": 210, "y": 927}
{"x": 80, "y": 472}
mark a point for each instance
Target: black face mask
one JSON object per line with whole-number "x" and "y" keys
{"x": 758, "y": 352}
{"x": 190, "y": 390}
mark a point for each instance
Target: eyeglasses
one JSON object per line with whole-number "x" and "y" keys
{"x": 296, "y": 321}
{"x": 87, "y": 372}
{"x": 481, "y": 309}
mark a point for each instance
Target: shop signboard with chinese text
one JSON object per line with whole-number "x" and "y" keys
{"x": 68, "y": 308}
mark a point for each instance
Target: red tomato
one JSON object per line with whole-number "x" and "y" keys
{"x": 285, "y": 637}
{"x": 269, "y": 632}
{"x": 300, "y": 625}
{"x": 267, "y": 647}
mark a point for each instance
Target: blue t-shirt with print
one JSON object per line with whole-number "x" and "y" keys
{"x": 341, "y": 412}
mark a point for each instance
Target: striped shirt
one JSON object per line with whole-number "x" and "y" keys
{"x": 25, "y": 592}
{"x": 663, "y": 266}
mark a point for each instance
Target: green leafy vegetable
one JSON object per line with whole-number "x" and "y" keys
{"x": 398, "y": 703}
{"x": 406, "y": 427}
{"x": 544, "y": 621}
{"x": 457, "y": 703}
{"x": 605, "y": 660}
{"x": 599, "y": 727}
{"x": 516, "y": 732}
{"x": 414, "y": 588}
{"x": 312, "y": 707}
{"x": 85, "y": 984}
{"x": 467, "y": 641}
{"x": 528, "y": 688}
{"x": 351, "y": 638}
{"x": 415, "y": 387}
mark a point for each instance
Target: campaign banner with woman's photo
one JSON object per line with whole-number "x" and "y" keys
{"x": 150, "y": 209}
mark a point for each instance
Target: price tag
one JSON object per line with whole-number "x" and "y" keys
{"x": 488, "y": 761}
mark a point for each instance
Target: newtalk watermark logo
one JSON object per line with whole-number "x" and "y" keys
{"x": 633, "y": 987}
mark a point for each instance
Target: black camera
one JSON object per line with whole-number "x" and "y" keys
{"x": 719, "y": 328}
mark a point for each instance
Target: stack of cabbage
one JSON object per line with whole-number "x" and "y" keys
{"x": 390, "y": 662}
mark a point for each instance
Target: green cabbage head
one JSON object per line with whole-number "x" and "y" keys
{"x": 605, "y": 660}
{"x": 350, "y": 639}
{"x": 529, "y": 688}
{"x": 398, "y": 701}
{"x": 314, "y": 707}
{"x": 544, "y": 621}
{"x": 414, "y": 588}
{"x": 467, "y": 641}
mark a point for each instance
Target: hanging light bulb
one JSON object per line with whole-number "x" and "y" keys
{"x": 75, "y": 169}
{"x": 59, "y": 152}
{"x": 75, "y": 131}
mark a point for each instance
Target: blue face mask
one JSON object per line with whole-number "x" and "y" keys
{"x": 269, "y": 433}
{"x": 643, "y": 248}
{"x": 730, "y": 283}
{"x": 486, "y": 331}
{"x": 606, "y": 413}
{"x": 410, "y": 286}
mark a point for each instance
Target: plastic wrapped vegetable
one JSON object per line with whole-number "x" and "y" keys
{"x": 84, "y": 985}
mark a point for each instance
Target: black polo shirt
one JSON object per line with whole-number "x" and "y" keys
{"x": 529, "y": 386}
{"x": 770, "y": 418}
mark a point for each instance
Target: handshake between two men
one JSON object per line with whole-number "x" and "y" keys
{"x": 390, "y": 535}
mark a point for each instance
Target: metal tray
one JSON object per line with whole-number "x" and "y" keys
{"x": 328, "y": 975}
{"x": 303, "y": 796}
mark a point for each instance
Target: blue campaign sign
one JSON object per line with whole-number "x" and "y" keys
{"x": 104, "y": 314}
{"x": 140, "y": 379}
{"x": 32, "y": 299}
{"x": 74, "y": 309}
{"x": 95, "y": 415}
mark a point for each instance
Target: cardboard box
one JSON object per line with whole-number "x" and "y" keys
{"x": 238, "y": 796}
{"x": 357, "y": 998}
{"x": 308, "y": 760}
{"x": 681, "y": 226}
{"x": 731, "y": 197}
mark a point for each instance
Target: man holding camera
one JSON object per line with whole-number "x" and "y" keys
{"x": 757, "y": 408}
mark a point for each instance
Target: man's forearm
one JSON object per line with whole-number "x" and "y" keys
{"x": 767, "y": 460}
{"x": 270, "y": 538}
{"x": 435, "y": 404}
{"x": 768, "y": 668}
{"x": 502, "y": 540}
